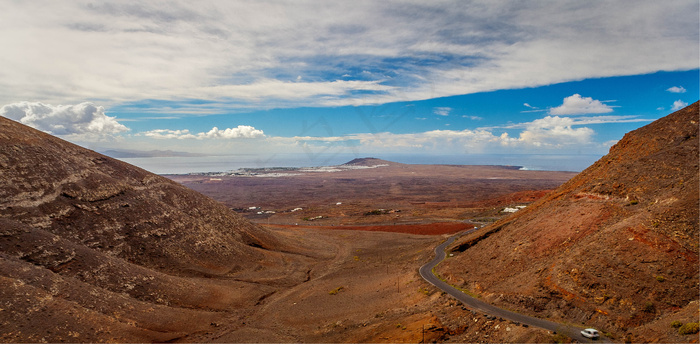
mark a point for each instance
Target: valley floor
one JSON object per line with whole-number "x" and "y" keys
{"x": 362, "y": 287}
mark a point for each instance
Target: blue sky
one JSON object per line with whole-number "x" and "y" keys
{"x": 368, "y": 77}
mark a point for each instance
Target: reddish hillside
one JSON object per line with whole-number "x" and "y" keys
{"x": 616, "y": 247}
{"x": 93, "y": 249}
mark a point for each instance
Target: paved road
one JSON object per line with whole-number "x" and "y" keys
{"x": 476, "y": 304}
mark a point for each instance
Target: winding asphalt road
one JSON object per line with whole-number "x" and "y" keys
{"x": 426, "y": 271}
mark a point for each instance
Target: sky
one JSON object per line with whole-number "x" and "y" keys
{"x": 361, "y": 77}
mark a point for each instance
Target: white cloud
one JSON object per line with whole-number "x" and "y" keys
{"x": 249, "y": 54}
{"x": 578, "y": 105}
{"x": 473, "y": 118}
{"x": 678, "y": 104}
{"x": 555, "y": 132}
{"x": 169, "y": 134}
{"x": 240, "y": 132}
{"x": 676, "y": 89}
{"x": 442, "y": 111}
{"x": 81, "y": 122}
{"x": 551, "y": 132}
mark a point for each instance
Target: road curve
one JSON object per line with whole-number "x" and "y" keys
{"x": 426, "y": 271}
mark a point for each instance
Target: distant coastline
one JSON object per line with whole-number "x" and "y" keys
{"x": 207, "y": 164}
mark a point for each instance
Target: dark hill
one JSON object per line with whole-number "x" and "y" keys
{"x": 616, "y": 247}
{"x": 368, "y": 162}
{"x": 94, "y": 249}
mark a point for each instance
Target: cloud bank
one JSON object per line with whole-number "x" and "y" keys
{"x": 267, "y": 54}
{"x": 82, "y": 122}
{"x": 240, "y": 132}
{"x": 549, "y": 133}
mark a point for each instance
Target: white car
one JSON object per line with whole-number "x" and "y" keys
{"x": 590, "y": 333}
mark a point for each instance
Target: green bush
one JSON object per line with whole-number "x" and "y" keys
{"x": 660, "y": 278}
{"x": 689, "y": 328}
{"x": 676, "y": 324}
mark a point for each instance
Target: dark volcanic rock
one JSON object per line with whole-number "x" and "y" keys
{"x": 94, "y": 249}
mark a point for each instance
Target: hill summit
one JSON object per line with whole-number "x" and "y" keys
{"x": 94, "y": 249}
{"x": 616, "y": 247}
{"x": 368, "y": 162}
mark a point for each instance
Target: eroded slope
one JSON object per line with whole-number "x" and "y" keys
{"x": 93, "y": 249}
{"x": 615, "y": 247}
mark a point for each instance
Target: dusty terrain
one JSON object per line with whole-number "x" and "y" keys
{"x": 615, "y": 248}
{"x": 382, "y": 192}
{"x": 95, "y": 250}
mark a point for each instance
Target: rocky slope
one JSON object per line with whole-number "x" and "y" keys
{"x": 616, "y": 247}
{"x": 93, "y": 249}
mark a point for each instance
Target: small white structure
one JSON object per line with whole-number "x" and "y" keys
{"x": 512, "y": 210}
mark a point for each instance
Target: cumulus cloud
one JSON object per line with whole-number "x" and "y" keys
{"x": 554, "y": 131}
{"x": 551, "y": 132}
{"x": 240, "y": 132}
{"x": 678, "y": 104}
{"x": 84, "y": 121}
{"x": 578, "y": 105}
{"x": 676, "y": 89}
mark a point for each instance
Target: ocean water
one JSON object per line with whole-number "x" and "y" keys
{"x": 183, "y": 165}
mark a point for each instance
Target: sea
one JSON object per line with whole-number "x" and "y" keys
{"x": 225, "y": 163}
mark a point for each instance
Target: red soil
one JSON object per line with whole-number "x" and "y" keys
{"x": 420, "y": 229}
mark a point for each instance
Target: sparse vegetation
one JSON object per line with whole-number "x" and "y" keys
{"x": 649, "y": 308}
{"x": 560, "y": 338}
{"x": 660, "y": 278}
{"x": 676, "y": 324}
{"x": 335, "y": 291}
{"x": 689, "y": 328}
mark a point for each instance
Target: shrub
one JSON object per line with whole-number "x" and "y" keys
{"x": 335, "y": 291}
{"x": 660, "y": 278}
{"x": 676, "y": 324}
{"x": 689, "y": 328}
